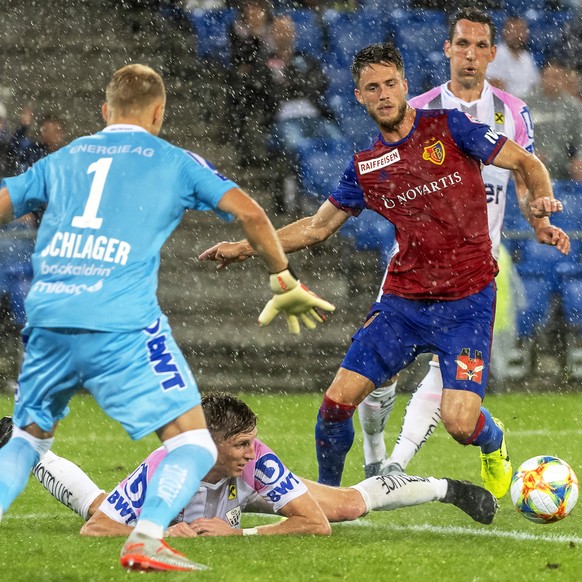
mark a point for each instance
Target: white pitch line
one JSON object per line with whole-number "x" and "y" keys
{"x": 443, "y": 530}
{"x": 456, "y": 530}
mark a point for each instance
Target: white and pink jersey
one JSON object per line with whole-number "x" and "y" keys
{"x": 265, "y": 481}
{"x": 504, "y": 113}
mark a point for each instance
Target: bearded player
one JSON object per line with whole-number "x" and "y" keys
{"x": 469, "y": 48}
{"x": 422, "y": 173}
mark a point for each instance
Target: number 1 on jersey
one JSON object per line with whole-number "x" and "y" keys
{"x": 89, "y": 219}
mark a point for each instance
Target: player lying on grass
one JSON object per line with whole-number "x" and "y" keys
{"x": 247, "y": 476}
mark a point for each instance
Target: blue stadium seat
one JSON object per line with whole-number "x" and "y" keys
{"x": 536, "y": 259}
{"x": 571, "y": 297}
{"x": 544, "y": 27}
{"x": 569, "y": 272}
{"x": 420, "y": 35}
{"x": 339, "y": 80}
{"x": 356, "y": 124}
{"x": 498, "y": 17}
{"x": 309, "y": 34}
{"x": 422, "y": 31}
{"x": 538, "y": 268}
{"x": 522, "y": 7}
{"x": 212, "y": 34}
{"x": 381, "y": 5}
{"x": 321, "y": 165}
{"x": 372, "y": 232}
{"x": 348, "y": 32}
{"x": 538, "y": 295}
{"x": 569, "y": 193}
{"x": 515, "y": 226}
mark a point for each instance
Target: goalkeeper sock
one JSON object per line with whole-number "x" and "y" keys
{"x": 374, "y": 412}
{"x": 421, "y": 417}
{"x": 17, "y": 458}
{"x": 190, "y": 456}
{"x": 387, "y": 492}
{"x": 67, "y": 483}
{"x": 334, "y": 435}
{"x": 487, "y": 434}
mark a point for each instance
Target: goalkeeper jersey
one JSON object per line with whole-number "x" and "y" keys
{"x": 265, "y": 483}
{"x": 112, "y": 199}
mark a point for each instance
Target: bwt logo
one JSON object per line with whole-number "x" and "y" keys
{"x": 283, "y": 487}
{"x": 136, "y": 485}
{"x": 122, "y": 507}
{"x": 161, "y": 360}
{"x": 269, "y": 469}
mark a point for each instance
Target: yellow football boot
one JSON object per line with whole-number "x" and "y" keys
{"x": 496, "y": 471}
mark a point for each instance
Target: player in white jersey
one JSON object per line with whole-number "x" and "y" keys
{"x": 93, "y": 320}
{"x": 247, "y": 477}
{"x": 469, "y": 48}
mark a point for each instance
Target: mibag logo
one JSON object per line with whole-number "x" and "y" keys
{"x": 381, "y": 162}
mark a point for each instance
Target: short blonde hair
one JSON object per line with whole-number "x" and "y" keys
{"x": 134, "y": 87}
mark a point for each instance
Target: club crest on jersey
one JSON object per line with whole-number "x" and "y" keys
{"x": 435, "y": 153}
{"x": 233, "y": 516}
{"x": 469, "y": 368}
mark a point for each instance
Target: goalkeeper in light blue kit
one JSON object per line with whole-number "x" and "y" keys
{"x": 93, "y": 319}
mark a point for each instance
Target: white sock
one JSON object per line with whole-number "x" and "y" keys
{"x": 149, "y": 528}
{"x": 67, "y": 483}
{"x": 374, "y": 412}
{"x": 387, "y": 492}
{"x": 421, "y": 417}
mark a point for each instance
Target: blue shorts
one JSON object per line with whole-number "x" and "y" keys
{"x": 139, "y": 378}
{"x": 459, "y": 332}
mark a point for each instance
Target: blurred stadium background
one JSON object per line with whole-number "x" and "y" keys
{"x": 59, "y": 55}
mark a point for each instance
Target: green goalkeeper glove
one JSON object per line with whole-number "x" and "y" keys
{"x": 296, "y": 301}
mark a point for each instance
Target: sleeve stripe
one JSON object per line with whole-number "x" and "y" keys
{"x": 495, "y": 151}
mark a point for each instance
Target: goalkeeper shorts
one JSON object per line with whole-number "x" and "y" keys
{"x": 139, "y": 378}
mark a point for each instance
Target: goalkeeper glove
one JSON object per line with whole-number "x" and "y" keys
{"x": 296, "y": 301}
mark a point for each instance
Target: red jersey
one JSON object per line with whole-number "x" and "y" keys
{"x": 429, "y": 186}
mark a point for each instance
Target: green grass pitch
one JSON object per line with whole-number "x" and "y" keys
{"x": 39, "y": 538}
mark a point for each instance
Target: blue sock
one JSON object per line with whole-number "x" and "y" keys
{"x": 17, "y": 458}
{"x": 490, "y": 436}
{"x": 334, "y": 435}
{"x": 174, "y": 483}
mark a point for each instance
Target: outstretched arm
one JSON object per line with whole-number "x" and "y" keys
{"x": 537, "y": 200}
{"x": 304, "y": 516}
{"x": 298, "y": 235}
{"x": 257, "y": 228}
{"x": 101, "y": 525}
{"x": 290, "y": 297}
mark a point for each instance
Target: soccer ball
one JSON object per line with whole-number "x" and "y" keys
{"x": 544, "y": 489}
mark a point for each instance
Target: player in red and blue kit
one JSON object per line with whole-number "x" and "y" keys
{"x": 422, "y": 173}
